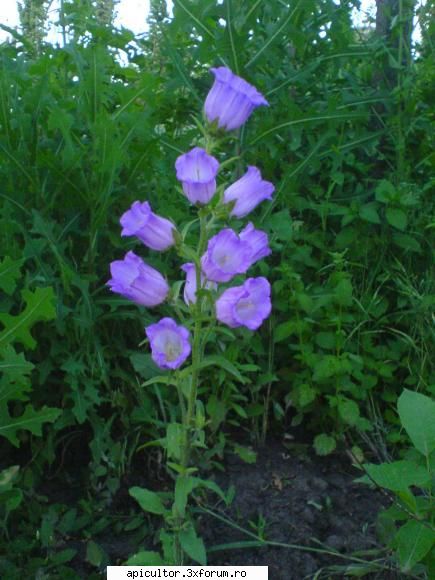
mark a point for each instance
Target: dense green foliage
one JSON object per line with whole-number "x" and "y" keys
{"x": 88, "y": 127}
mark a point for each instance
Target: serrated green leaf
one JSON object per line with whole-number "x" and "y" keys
{"x": 39, "y": 306}
{"x": 369, "y": 213}
{"x": 31, "y": 420}
{"x": 193, "y": 545}
{"x": 9, "y": 274}
{"x": 148, "y": 500}
{"x": 398, "y": 475}
{"x": 14, "y": 365}
{"x": 349, "y": 411}
{"x": 324, "y": 444}
{"x": 397, "y": 218}
{"x": 174, "y": 440}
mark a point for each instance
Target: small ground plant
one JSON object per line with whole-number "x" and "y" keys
{"x": 408, "y": 526}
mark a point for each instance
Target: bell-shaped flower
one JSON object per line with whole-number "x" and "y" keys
{"x": 154, "y": 231}
{"x": 247, "y": 305}
{"x": 257, "y": 241}
{"x": 170, "y": 343}
{"x": 231, "y": 99}
{"x": 190, "y": 285}
{"x": 226, "y": 256}
{"x": 137, "y": 281}
{"x": 197, "y": 172}
{"x": 248, "y": 192}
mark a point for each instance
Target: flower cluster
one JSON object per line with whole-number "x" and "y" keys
{"x": 230, "y": 102}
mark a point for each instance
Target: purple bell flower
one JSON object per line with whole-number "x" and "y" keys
{"x": 248, "y": 192}
{"x": 137, "y": 281}
{"x": 197, "y": 172}
{"x": 226, "y": 256}
{"x": 231, "y": 99}
{"x": 247, "y": 305}
{"x": 190, "y": 285}
{"x": 154, "y": 231}
{"x": 170, "y": 343}
{"x": 257, "y": 241}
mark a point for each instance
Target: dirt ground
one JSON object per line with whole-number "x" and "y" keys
{"x": 297, "y": 500}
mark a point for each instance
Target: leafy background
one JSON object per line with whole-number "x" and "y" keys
{"x": 347, "y": 139}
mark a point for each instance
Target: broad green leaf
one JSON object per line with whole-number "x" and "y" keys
{"x": 369, "y": 213}
{"x": 9, "y": 274}
{"x": 343, "y": 292}
{"x": 417, "y": 415}
{"x": 398, "y": 475}
{"x": 397, "y": 218}
{"x": 145, "y": 559}
{"x": 413, "y": 542}
{"x": 306, "y": 394}
{"x": 349, "y": 411}
{"x": 148, "y": 500}
{"x": 326, "y": 340}
{"x": 94, "y": 554}
{"x": 184, "y": 485}
{"x": 406, "y": 242}
{"x": 283, "y": 331}
{"x": 385, "y": 191}
{"x": 174, "y": 440}
{"x": 193, "y": 545}
{"x": 245, "y": 453}
{"x": 324, "y": 444}
{"x": 39, "y": 306}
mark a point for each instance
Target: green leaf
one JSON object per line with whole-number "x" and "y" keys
{"x": 174, "y": 440}
{"x": 245, "y": 453}
{"x": 406, "y": 242}
{"x": 280, "y": 224}
{"x": 324, "y": 444}
{"x": 63, "y": 556}
{"x": 94, "y": 554}
{"x": 219, "y": 361}
{"x": 30, "y": 420}
{"x": 343, "y": 292}
{"x": 326, "y": 340}
{"x": 349, "y": 411}
{"x": 39, "y": 306}
{"x": 184, "y": 485}
{"x": 145, "y": 559}
{"x": 369, "y": 213}
{"x": 284, "y": 330}
{"x": 417, "y": 415}
{"x": 14, "y": 366}
{"x": 193, "y": 545}
{"x": 413, "y": 542}
{"x": 385, "y": 191}
{"x": 398, "y": 475}
{"x": 306, "y": 394}
{"x": 9, "y": 274}
{"x": 148, "y": 500}
{"x": 396, "y": 218}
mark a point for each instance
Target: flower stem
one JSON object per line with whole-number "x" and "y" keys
{"x": 196, "y": 346}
